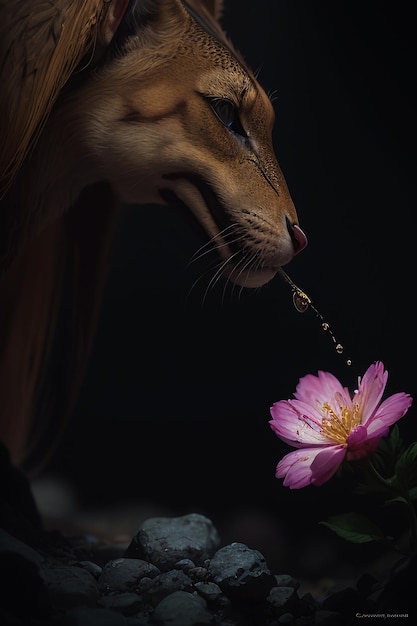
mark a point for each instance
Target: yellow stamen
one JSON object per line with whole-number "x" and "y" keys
{"x": 339, "y": 426}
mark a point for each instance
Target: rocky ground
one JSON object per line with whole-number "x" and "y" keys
{"x": 174, "y": 571}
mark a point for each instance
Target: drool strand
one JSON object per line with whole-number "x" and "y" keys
{"x": 302, "y": 302}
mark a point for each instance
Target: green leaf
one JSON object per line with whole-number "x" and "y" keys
{"x": 370, "y": 488}
{"x": 413, "y": 493}
{"x": 406, "y": 469}
{"x": 388, "y": 451}
{"x": 354, "y": 527}
{"x": 400, "y": 499}
{"x": 395, "y": 439}
{"x": 407, "y": 460}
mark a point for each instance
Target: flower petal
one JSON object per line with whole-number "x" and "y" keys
{"x": 371, "y": 388}
{"x": 295, "y": 468}
{"x": 326, "y": 463}
{"x": 365, "y": 448}
{"x": 301, "y": 467}
{"x": 297, "y": 423}
{"x": 316, "y": 390}
{"x": 360, "y": 444}
{"x": 389, "y": 412}
{"x": 357, "y": 437}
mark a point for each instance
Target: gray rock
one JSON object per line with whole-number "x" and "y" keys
{"x": 209, "y": 591}
{"x": 164, "y": 541}
{"x": 241, "y": 572}
{"x": 94, "y": 569}
{"x": 128, "y": 603}
{"x": 198, "y": 573}
{"x": 185, "y": 564}
{"x": 285, "y": 580}
{"x": 287, "y": 619}
{"x": 124, "y": 574}
{"x": 182, "y": 609}
{"x": 70, "y": 586}
{"x": 165, "y": 584}
{"x": 282, "y": 599}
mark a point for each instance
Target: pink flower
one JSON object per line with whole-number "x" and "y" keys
{"x": 327, "y": 424}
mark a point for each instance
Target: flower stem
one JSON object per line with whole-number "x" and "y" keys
{"x": 380, "y": 479}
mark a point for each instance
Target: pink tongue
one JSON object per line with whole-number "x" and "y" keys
{"x": 300, "y": 238}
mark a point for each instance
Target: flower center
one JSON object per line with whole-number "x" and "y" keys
{"x": 338, "y": 426}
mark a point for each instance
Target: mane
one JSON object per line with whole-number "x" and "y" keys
{"x": 41, "y": 46}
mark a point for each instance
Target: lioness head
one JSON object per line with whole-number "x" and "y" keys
{"x": 172, "y": 114}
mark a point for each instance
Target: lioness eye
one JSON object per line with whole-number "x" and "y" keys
{"x": 227, "y": 114}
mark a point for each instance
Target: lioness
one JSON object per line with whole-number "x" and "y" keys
{"x": 109, "y": 102}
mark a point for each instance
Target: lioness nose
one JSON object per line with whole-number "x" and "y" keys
{"x": 298, "y": 237}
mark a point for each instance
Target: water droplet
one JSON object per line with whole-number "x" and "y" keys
{"x": 301, "y": 301}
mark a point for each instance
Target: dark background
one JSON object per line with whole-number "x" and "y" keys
{"x": 175, "y": 407}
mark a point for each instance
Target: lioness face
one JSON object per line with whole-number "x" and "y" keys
{"x": 178, "y": 118}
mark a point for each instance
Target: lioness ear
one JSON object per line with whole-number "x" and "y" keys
{"x": 111, "y": 21}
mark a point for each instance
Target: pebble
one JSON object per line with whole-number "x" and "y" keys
{"x": 164, "y": 541}
{"x": 241, "y": 572}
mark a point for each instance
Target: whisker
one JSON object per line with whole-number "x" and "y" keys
{"x": 211, "y": 245}
{"x": 258, "y": 70}
{"x": 243, "y": 264}
{"x": 195, "y": 283}
{"x": 234, "y": 286}
{"x": 216, "y": 267}
{"x": 273, "y": 95}
{"x": 215, "y": 279}
{"x": 200, "y": 254}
